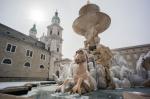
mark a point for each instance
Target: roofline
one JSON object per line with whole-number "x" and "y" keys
{"x": 131, "y": 47}
{"x": 13, "y": 29}
{"x": 55, "y": 24}
{"x": 19, "y": 32}
{"x": 22, "y": 35}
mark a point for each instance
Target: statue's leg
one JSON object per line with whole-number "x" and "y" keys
{"x": 109, "y": 80}
{"x": 61, "y": 87}
{"x": 85, "y": 87}
{"x": 77, "y": 87}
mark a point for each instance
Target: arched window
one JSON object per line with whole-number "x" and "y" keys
{"x": 6, "y": 61}
{"x": 41, "y": 67}
{"x": 27, "y": 64}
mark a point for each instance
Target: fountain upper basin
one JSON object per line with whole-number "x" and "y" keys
{"x": 89, "y": 18}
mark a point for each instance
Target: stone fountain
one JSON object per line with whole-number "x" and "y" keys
{"x": 90, "y": 23}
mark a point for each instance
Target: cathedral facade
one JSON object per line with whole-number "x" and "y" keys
{"x": 24, "y": 57}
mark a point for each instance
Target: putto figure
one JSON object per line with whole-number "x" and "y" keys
{"x": 81, "y": 81}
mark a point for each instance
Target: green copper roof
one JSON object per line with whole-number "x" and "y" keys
{"x": 55, "y": 18}
{"x": 33, "y": 28}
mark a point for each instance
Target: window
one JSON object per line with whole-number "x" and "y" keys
{"x": 11, "y": 48}
{"x": 6, "y": 61}
{"x": 41, "y": 67}
{"x": 8, "y": 47}
{"x": 58, "y": 32}
{"x": 57, "y": 49}
{"x": 57, "y": 73}
{"x": 27, "y": 64}
{"x": 48, "y": 48}
{"x": 8, "y": 32}
{"x": 29, "y": 53}
{"x": 43, "y": 56}
{"x": 51, "y": 32}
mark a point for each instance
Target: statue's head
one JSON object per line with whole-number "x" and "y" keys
{"x": 80, "y": 56}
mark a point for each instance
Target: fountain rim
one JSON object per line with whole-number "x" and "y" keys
{"x": 86, "y": 6}
{"x": 83, "y": 34}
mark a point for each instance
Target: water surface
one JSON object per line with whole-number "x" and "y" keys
{"x": 47, "y": 92}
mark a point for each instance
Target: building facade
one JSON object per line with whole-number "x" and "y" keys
{"x": 53, "y": 42}
{"x": 132, "y": 53}
{"x": 61, "y": 66}
{"x": 24, "y": 57}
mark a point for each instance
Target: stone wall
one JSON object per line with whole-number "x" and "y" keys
{"x": 132, "y": 53}
{"x": 39, "y": 67}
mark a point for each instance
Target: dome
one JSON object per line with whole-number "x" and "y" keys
{"x": 33, "y": 28}
{"x": 55, "y": 18}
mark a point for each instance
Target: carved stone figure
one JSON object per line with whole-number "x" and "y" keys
{"x": 119, "y": 60}
{"x": 143, "y": 66}
{"x": 103, "y": 57}
{"x": 146, "y": 64}
{"x": 82, "y": 81}
{"x": 141, "y": 71}
{"x": 123, "y": 72}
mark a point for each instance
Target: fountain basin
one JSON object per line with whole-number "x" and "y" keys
{"x": 90, "y": 18}
{"x": 47, "y": 92}
{"x": 88, "y": 9}
{"x": 99, "y": 21}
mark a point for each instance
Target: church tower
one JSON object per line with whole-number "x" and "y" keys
{"x": 54, "y": 40}
{"x": 33, "y": 32}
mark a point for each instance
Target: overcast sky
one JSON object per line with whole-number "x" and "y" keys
{"x": 130, "y": 20}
